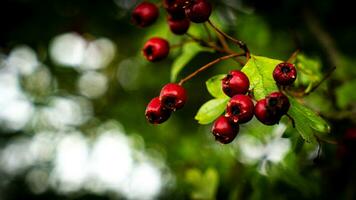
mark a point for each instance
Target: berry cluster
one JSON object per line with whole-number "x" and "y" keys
{"x": 171, "y": 98}
{"x": 240, "y": 108}
{"x": 180, "y": 14}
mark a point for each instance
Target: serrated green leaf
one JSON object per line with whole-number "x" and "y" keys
{"x": 259, "y": 70}
{"x": 214, "y": 86}
{"x": 211, "y": 110}
{"x": 189, "y": 51}
{"x": 307, "y": 122}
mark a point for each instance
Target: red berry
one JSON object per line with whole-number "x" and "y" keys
{"x": 285, "y": 74}
{"x": 156, "y": 113}
{"x": 156, "y": 49}
{"x": 145, "y": 14}
{"x": 178, "y": 26}
{"x": 198, "y": 11}
{"x": 264, "y": 114}
{"x": 224, "y": 131}
{"x": 240, "y": 109}
{"x": 175, "y": 8}
{"x": 278, "y": 102}
{"x": 173, "y": 96}
{"x": 236, "y": 82}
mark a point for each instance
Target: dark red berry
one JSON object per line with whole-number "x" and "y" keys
{"x": 178, "y": 26}
{"x": 278, "y": 102}
{"x": 175, "y": 8}
{"x": 156, "y": 49}
{"x": 224, "y": 131}
{"x": 173, "y": 96}
{"x": 264, "y": 114}
{"x": 240, "y": 109}
{"x": 156, "y": 113}
{"x": 198, "y": 11}
{"x": 236, "y": 82}
{"x": 285, "y": 74}
{"x": 145, "y": 14}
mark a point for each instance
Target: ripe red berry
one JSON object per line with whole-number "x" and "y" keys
{"x": 224, "y": 131}
{"x": 278, "y": 102}
{"x": 240, "y": 109}
{"x": 175, "y": 8}
{"x": 173, "y": 96}
{"x": 156, "y": 113}
{"x": 145, "y": 14}
{"x": 236, "y": 82}
{"x": 198, "y": 11}
{"x": 264, "y": 114}
{"x": 156, "y": 49}
{"x": 285, "y": 74}
{"x": 178, "y": 26}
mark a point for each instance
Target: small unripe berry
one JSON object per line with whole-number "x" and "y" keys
{"x": 285, "y": 74}
{"x": 240, "y": 109}
{"x": 236, "y": 82}
{"x": 278, "y": 102}
{"x": 145, "y": 14}
{"x": 264, "y": 114}
{"x": 224, "y": 131}
{"x": 156, "y": 113}
{"x": 173, "y": 96}
{"x": 198, "y": 11}
{"x": 156, "y": 49}
{"x": 178, "y": 26}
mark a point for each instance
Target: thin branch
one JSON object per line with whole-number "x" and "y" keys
{"x": 241, "y": 44}
{"x": 182, "y": 81}
{"x": 210, "y": 38}
{"x": 293, "y": 56}
{"x": 325, "y": 140}
{"x": 327, "y": 75}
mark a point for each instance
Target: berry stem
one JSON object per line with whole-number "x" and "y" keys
{"x": 182, "y": 81}
{"x": 241, "y": 44}
{"x": 210, "y": 38}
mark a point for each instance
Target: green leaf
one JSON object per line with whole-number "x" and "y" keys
{"x": 211, "y": 110}
{"x": 214, "y": 86}
{"x": 189, "y": 51}
{"x": 345, "y": 94}
{"x": 307, "y": 122}
{"x": 259, "y": 71}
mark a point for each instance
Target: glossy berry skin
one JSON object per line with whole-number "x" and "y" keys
{"x": 173, "y": 96}
{"x": 278, "y": 102}
{"x": 175, "y": 8}
{"x": 156, "y": 113}
{"x": 224, "y": 131}
{"x": 178, "y": 26}
{"x": 236, "y": 82}
{"x": 264, "y": 114}
{"x": 198, "y": 11}
{"x": 156, "y": 49}
{"x": 145, "y": 14}
{"x": 240, "y": 109}
{"x": 285, "y": 74}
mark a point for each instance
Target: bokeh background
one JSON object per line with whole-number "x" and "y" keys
{"x": 74, "y": 86}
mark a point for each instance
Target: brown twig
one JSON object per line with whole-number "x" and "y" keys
{"x": 293, "y": 56}
{"x": 241, "y": 44}
{"x": 182, "y": 81}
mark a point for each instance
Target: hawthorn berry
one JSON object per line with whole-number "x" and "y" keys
{"x": 240, "y": 109}
{"x": 156, "y": 113}
{"x": 156, "y": 49}
{"x": 224, "y": 131}
{"x": 198, "y": 11}
{"x": 278, "y": 102}
{"x": 178, "y": 26}
{"x": 236, "y": 82}
{"x": 264, "y": 114}
{"x": 285, "y": 74}
{"x": 145, "y": 14}
{"x": 173, "y": 96}
{"x": 175, "y": 8}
